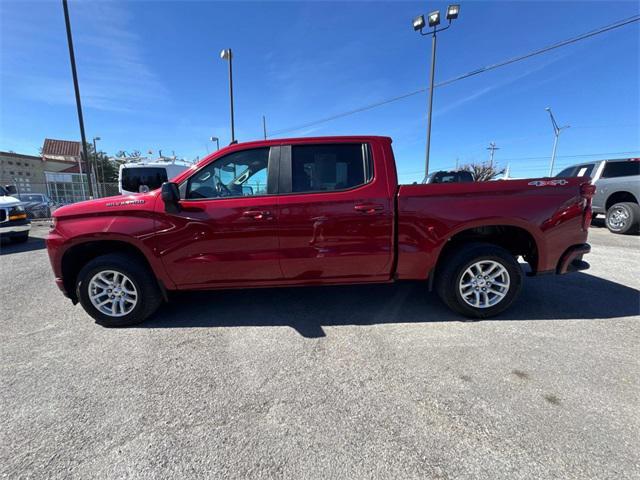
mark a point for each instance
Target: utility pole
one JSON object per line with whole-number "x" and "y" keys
{"x": 74, "y": 73}
{"x": 556, "y": 132}
{"x": 264, "y": 127}
{"x": 492, "y": 148}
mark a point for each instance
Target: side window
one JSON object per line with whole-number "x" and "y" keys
{"x": 238, "y": 174}
{"x": 321, "y": 168}
{"x": 621, "y": 169}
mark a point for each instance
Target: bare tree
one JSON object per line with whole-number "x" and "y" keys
{"x": 483, "y": 172}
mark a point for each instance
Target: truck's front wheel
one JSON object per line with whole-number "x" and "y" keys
{"x": 117, "y": 290}
{"x": 479, "y": 280}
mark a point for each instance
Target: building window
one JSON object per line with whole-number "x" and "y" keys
{"x": 9, "y": 162}
{"x": 11, "y": 173}
{"x": 28, "y": 174}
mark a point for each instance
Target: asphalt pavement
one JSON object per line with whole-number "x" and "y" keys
{"x": 337, "y": 382}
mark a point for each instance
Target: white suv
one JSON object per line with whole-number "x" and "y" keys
{"x": 14, "y": 223}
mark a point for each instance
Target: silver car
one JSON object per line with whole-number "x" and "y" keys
{"x": 617, "y": 191}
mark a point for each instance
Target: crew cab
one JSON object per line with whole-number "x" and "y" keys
{"x": 315, "y": 211}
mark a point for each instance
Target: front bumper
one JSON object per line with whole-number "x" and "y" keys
{"x": 14, "y": 227}
{"x": 571, "y": 260}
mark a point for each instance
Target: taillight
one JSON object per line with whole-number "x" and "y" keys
{"x": 587, "y": 191}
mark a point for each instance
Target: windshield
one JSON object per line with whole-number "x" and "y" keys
{"x": 578, "y": 171}
{"x": 3, "y": 192}
{"x": 152, "y": 177}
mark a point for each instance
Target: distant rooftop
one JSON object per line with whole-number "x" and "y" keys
{"x": 65, "y": 150}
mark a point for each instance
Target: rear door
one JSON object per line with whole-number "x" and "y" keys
{"x": 336, "y": 214}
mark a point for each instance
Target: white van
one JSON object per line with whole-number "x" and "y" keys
{"x": 147, "y": 175}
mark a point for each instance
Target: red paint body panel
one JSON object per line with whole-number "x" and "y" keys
{"x": 213, "y": 242}
{"x": 372, "y": 233}
{"x": 95, "y": 220}
{"x": 428, "y": 215}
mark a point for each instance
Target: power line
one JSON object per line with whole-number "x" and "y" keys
{"x": 598, "y": 31}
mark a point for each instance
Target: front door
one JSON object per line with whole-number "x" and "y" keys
{"x": 227, "y": 230}
{"x": 336, "y": 215}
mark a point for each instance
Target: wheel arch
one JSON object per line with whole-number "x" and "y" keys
{"x": 620, "y": 196}
{"x": 516, "y": 239}
{"x": 77, "y": 255}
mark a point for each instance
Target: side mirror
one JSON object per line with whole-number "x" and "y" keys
{"x": 11, "y": 189}
{"x": 171, "y": 197}
{"x": 143, "y": 189}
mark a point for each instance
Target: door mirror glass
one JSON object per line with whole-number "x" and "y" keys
{"x": 171, "y": 197}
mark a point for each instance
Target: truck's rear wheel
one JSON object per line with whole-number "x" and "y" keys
{"x": 479, "y": 280}
{"x": 623, "y": 217}
{"x": 117, "y": 290}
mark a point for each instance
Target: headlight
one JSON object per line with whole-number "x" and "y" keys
{"x": 17, "y": 213}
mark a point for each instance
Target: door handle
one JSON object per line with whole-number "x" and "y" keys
{"x": 368, "y": 207}
{"x": 257, "y": 214}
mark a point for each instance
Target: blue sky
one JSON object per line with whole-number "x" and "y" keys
{"x": 151, "y": 77}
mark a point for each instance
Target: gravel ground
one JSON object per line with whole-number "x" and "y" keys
{"x": 335, "y": 382}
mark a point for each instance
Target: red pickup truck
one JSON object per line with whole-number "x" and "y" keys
{"x": 315, "y": 211}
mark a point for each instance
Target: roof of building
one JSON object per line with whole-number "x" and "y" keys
{"x": 19, "y": 155}
{"x": 60, "y": 149}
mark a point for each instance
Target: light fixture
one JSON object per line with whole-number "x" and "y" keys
{"x": 225, "y": 54}
{"x": 452, "y": 12}
{"x": 418, "y": 22}
{"x": 434, "y": 18}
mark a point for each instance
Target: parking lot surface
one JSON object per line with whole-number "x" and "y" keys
{"x": 336, "y": 382}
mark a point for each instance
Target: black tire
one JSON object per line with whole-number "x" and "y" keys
{"x": 453, "y": 267}
{"x": 616, "y": 224}
{"x": 21, "y": 238}
{"x": 149, "y": 296}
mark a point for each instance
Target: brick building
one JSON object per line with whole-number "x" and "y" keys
{"x": 56, "y": 172}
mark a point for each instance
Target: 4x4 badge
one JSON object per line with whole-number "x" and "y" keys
{"x": 546, "y": 183}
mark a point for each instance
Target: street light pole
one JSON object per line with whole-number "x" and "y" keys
{"x": 418, "y": 25}
{"x": 556, "y": 132}
{"x": 99, "y": 168}
{"x": 217, "y": 140}
{"x": 430, "y": 106}
{"x": 226, "y": 54}
{"x": 264, "y": 126}
{"x": 74, "y": 73}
